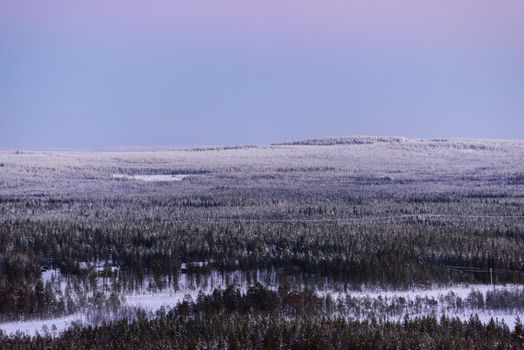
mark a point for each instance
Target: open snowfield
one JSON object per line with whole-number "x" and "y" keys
{"x": 151, "y": 178}
{"x": 397, "y": 165}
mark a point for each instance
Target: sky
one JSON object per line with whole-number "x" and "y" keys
{"x": 109, "y": 73}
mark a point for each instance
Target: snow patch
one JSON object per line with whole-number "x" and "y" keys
{"x": 151, "y": 178}
{"x": 54, "y": 326}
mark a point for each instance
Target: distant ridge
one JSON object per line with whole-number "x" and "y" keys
{"x": 456, "y": 143}
{"x": 346, "y": 140}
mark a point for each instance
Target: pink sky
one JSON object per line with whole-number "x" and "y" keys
{"x": 429, "y": 22}
{"x": 257, "y": 71}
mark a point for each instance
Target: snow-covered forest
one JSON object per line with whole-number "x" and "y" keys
{"x": 366, "y": 242}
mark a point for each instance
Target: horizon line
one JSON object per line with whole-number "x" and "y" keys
{"x": 160, "y": 148}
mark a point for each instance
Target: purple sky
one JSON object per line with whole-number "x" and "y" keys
{"x": 89, "y": 74}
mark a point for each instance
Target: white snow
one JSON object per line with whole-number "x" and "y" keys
{"x": 31, "y": 327}
{"x": 439, "y": 293}
{"x": 188, "y": 285}
{"x": 152, "y": 178}
{"x": 155, "y": 301}
{"x": 460, "y": 290}
{"x": 48, "y": 275}
{"x": 485, "y": 316}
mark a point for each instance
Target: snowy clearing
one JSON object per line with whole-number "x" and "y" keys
{"x": 152, "y": 178}
{"x": 189, "y": 286}
{"x": 32, "y": 327}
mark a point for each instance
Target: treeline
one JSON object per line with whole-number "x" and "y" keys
{"x": 348, "y": 140}
{"x": 384, "y": 254}
{"x": 31, "y": 299}
{"x": 231, "y": 320}
{"x": 269, "y": 204}
{"x": 291, "y": 303}
{"x": 26, "y": 299}
{"x": 397, "y": 255}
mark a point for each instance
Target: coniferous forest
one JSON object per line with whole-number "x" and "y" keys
{"x": 343, "y": 243}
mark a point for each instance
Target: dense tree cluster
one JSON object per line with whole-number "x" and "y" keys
{"x": 231, "y": 320}
{"x": 386, "y": 253}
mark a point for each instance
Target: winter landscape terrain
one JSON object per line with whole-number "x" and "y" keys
{"x": 347, "y": 242}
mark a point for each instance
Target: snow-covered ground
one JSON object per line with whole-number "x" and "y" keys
{"x": 156, "y": 300}
{"x": 48, "y": 275}
{"x": 190, "y": 286}
{"x": 442, "y": 295}
{"x": 54, "y": 325}
{"x": 151, "y": 178}
{"x": 459, "y": 290}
